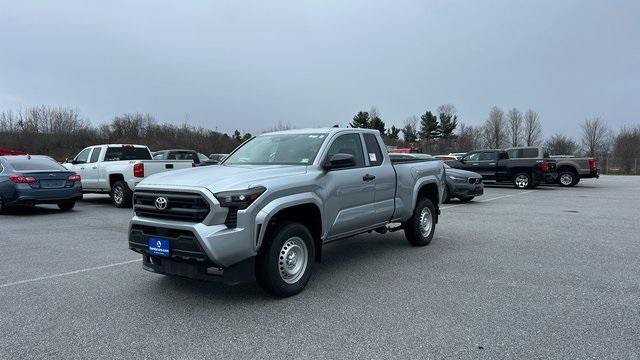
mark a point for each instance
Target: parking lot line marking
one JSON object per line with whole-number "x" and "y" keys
{"x": 68, "y": 273}
{"x": 491, "y": 199}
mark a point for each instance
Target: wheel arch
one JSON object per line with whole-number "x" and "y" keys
{"x": 299, "y": 208}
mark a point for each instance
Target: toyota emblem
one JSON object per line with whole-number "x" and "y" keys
{"x": 161, "y": 203}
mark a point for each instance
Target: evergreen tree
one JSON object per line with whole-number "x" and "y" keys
{"x": 393, "y": 132}
{"x": 236, "y": 136}
{"x": 361, "y": 120}
{"x": 409, "y": 133}
{"x": 429, "y": 126}
{"x": 377, "y": 124}
{"x": 448, "y": 124}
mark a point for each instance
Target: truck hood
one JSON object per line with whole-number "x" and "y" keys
{"x": 462, "y": 173}
{"x": 222, "y": 177}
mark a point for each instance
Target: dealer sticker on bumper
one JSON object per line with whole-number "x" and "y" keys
{"x": 159, "y": 247}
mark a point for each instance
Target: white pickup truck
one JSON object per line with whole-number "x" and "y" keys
{"x": 116, "y": 169}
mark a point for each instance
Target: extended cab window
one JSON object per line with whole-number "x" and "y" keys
{"x": 529, "y": 153}
{"x": 373, "y": 150}
{"x": 83, "y": 157}
{"x": 127, "y": 153}
{"x": 348, "y": 144}
{"x": 487, "y": 156}
{"x": 95, "y": 155}
{"x": 513, "y": 153}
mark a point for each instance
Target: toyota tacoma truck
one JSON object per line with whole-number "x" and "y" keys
{"x": 116, "y": 169}
{"x": 269, "y": 208}
{"x": 496, "y": 165}
{"x": 569, "y": 169}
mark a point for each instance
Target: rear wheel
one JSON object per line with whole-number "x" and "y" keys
{"x": 66, "y": 205}
{"x": 522, "y": 181}
{"x": 567, "y": 178}
{"x": 420, "y": 227}
{"x": 285, "y": 260}
{"x": 121, "y": 195}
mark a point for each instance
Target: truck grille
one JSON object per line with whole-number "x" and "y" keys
{"x": 475, "y": 180}
{"x": 183, "y": 244}
{"x": 178, "y": 206}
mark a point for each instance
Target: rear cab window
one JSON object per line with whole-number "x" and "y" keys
{"x": 374, "y": 154}
{"x": 127, "y": 153}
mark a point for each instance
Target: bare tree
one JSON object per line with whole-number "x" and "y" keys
{"x": 594, "y": 136}
{"x": 514, "y": 126}
{"x": 532, "y": 128}
{"x": 469, "y": 138}
{"x": 627, "y": 149}
{"x": 559, "y": 144}
{"x": 494, "y": 134}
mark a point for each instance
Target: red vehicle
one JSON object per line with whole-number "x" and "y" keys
{"x": 4, "y": 152}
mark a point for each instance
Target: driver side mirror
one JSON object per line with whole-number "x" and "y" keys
{"x": 462, "y": 160}
{"x": 339, "y": 161}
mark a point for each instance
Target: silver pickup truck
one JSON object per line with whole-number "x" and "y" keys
{"x": 270, "y": 206}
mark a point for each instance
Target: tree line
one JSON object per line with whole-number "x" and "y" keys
{"x": 61, "y": 132}
{"x": 442, "y": 132}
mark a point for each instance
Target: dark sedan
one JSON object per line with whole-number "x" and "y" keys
{"x": 30, "y": 180}
{"x": 462, "y": 184}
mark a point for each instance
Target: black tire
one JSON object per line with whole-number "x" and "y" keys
{"x": 3, "y": 207}
{"x": 446, "y": 197}
{"x": 413, "y": 227}
{"x": 522, "y": 181}
{"x": 271, "y": 264}
{"x": 568, "y": 178}
{"x": 66, "y": 205}
{"x": 121, "y": 195}
{"x": 466, "y": 199}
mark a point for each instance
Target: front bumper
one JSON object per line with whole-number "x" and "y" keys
{"x": 460, "y": 189}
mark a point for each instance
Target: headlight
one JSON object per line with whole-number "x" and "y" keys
{"x": 240, "y": 199}
{"x": 455, "y": 178}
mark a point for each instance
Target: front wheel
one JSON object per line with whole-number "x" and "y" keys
{"x": 285, "y": 260}
{"x": 522, "y": 181}
{"x": 121, "y": 195}
{"x": 66, "y": 205}
{"x": 420, "y": 227}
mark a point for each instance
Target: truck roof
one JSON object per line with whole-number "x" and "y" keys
{"x": 327, "y": 131}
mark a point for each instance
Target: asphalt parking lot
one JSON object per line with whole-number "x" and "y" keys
{"x": 544, "y": 273}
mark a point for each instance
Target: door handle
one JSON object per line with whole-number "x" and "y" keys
{"x": 368, "y": 177}
{"x": 492, "y": 163}
{"x": 95, "y": 167}
{"x": 475, "y": 164}
{"x": 81, "y": 168}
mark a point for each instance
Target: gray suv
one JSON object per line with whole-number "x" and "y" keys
{"x": 273, "y": 203}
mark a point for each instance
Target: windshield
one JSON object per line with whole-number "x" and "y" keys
{"x": 283, "y": 149}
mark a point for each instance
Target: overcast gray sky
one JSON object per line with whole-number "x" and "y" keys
{"x": 249, "y": 64}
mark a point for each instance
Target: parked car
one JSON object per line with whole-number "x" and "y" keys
{"x": 273, "y": 203}
{"x": 215, "y": 159}
{"x": 181, "y": 154}
{"x": 569, "y": 169}
{"x": 446, "y": 157}
{"x": 31, "y": 180}
{"x": 461, "y": 184}
{"x": 495, "y": 165}
{"x": 458, "y": 154}
{"x": 4, "y": 152}
{"x": 116, "y": 169}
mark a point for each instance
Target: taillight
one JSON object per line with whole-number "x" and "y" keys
{"x": 74, "y": 178}
{"x": 593, "y": 164}
{"x": 19, "y": 179}
{"x": 544, "y": 166}
{"x": 138, "y": 170}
